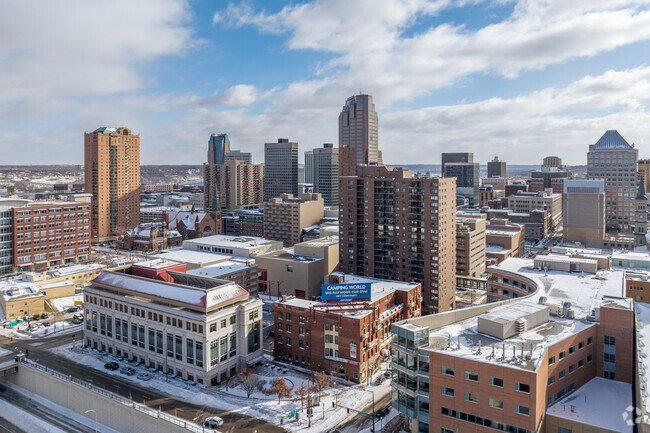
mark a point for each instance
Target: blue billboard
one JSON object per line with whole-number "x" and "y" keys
{"x": 345, "y": 291}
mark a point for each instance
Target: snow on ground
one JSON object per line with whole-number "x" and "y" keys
{"x": 4, "y": 352}
{"x": 259, "y": 405}
{"x": 63, "y": 304}
{"x": 43, "y": 426}
{"x": 57, "y": 328}
{"x": 25, "y": 420}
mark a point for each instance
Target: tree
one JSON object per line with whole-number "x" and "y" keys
{"x": 249, "y": 381}
{"x": 301, "y": 393}
{"x": 321, "y": 382}
{"x": 280, "y": 387}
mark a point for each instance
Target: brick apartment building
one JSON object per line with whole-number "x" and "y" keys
{"x": 50, "y": 233}
{"x": 506, "y": 366}
{"x": 286, "y": 217}
{"x": 112, "y": 176}
{"x": 398, "y": 227}
{"x": 470, "y": 246}
{"x": 345, "y": 339}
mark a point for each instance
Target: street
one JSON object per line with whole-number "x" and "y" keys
{"x": 38, "y": 351}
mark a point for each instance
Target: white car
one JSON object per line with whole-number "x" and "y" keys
{"x": 145, "y": 376}
{"x": 213, "y": 422}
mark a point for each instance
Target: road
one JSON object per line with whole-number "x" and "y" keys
{"x": 359, "y": 422}
{"x": 7, "y": 427}
{"x": 38, "y": 351}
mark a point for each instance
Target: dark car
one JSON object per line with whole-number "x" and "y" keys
{"x": 111, "y": 366}
{"x": 383, "y": 412}
{"x": 44, "y": 316}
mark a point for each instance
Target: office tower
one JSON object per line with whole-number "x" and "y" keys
{"x": 281, "y": 168}
{"x": 614, "y": 160}
{"x": 233, "y": 185}
{"x": 112, "y": 176}
{"x": 237, "y": 155}
{"x": 218, "y": 146}
{"x": 326, "y": 173}
{"x": 286, "y": 217}
{"x": 466, "y": 171}
{"x": 470, "y": 246}
{"x": 583, "y": 203}
{"x": 643, "y": 167}
{"x": 358, "y": 134}
{"x": 309, "y": 167}
{"x": 399, "y": 227}
{"x": 466, "y": 157}
{"x": 553, "y": 162}
{"x": 541, "y": 200}
{"x": 496, "y": 168}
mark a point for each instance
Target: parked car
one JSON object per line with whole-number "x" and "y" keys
{"x": 379, "y": 380}
{"x": 78, "y": 316}
{"x": 383, "y": 412}
{"x": 111, "y": 366}
{"x": 72, "y": 310}
{"x": 44, "y": 316}
{"x": 213, "y": 422}
{"x": 46, "y": 324}
{"x": 387, "y": 374}
{"x": 129, "y": 371}
{"x": 36, "y": 317}
{"x": 145, "y": 376}
{"x": 76, "y": 321}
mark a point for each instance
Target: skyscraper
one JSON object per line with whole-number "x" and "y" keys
{"x": 583, "y": 212}
{"x": 281, "y": 168}
{"x": 398, "y": 227}
{"x": 309, "y": 166}
{"x": 358, "y": 136}
{"x": 112, "y": 176}
{"x": 614, "y": 160}
{"x": 326, "y": 173}
{"x": 232, "y": 185}
{"x": 467, "y": 174}
{"x": 218, "y": 146}
{"x": 496, "y": 168}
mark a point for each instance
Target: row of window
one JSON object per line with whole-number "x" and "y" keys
{"x": 572, "y": 349}
{"x": 52, "y": 210}
{"x": 494, "y": 381}
{"x": 463, "y": 416}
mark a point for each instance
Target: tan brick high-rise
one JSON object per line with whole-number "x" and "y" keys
{"x": 112, "y": 169}
{"x": 398, "y": 227}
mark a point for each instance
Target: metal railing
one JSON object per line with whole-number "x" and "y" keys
{"x": 189, "y": 426}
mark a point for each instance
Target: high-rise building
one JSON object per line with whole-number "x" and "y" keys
{"x": 496, "y": 168}
{"x": 470, "y": 246}
{"x": 233, "y": 185}
{"x": 112, "y": 176}
{"x": 281, "y": 168}
{"x": 326, "y": 173}
{"x": 309, "y": 167}
{"x": 614, "y": 160}
{"x": 399, "y": 227}
{"x": 467, "y": 174}
{"x": 542, "y": 200}
{"x": 237, "y": 155}
{"x": 6, "y": 232}
{"x": 286, "y": 217}
{"x": 358, "y": 134}
{"x": 553, "y": 162}
{"x": 643, "y": 166}
{"x": 583, "y": 212}
{"x": 218, "y": 146}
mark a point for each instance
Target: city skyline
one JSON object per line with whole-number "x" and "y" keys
{"x": 459, "y": 74}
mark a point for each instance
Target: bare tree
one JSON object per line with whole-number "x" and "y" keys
{"x": 301, "y": 393}
{"x": 321, "y": 382}
{"x": 249, "y": 381}
{"x": 280, "y": 387}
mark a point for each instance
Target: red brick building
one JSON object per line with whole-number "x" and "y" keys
{"x": 157, "y": 269}
{"x": 50, "y": 233}
{"x": 344, "y": 338}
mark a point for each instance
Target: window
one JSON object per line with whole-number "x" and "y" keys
{"x": 213, "y": 327}
{"x": 590, "y": 340}
{"x": 551, "y": 360}
{"x": 471, "y": 376}
{"x": 288, "y": 341}
{"x": 562, "y": 355}
{"x": 279, "y": 326}
{"x": 589, "y": 358}
{"x": 581, "y": 363}
{"x": 610, "y": 340}
{"x": 448, "y": 371}
{"x": 223, "y": 323}
{"x": 572, "y": 350}
{"x": 581, "y": 345}
{"x": 445, "y": 430}
{"x": 522, "y": 410}
{"x": 561, "y": 374}
{"x": 572, "y": 368}
{"x": 564, "y": 430}
{"x": 495, "y": 403}
{"x": 496, "y": 381}
{"x": 449, "y": 392}
{"x": 522, "y": 387}
{"x": 551, "y": 380}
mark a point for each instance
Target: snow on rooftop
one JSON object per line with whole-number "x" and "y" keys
{"x": 75, "y": 269}
{"x": 156, "y": 264}
{"x": 191, "y": 256}
{"x": 204, "y": 298}
{"x": 18, "y": 288}
{"x": 220, "y": 269}
{"x": 643, "y": 350}
{"x": 600, "y": 403}
{"x": 232, "y": 241}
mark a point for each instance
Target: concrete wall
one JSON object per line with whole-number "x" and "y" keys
{"x": 112, "y": 411}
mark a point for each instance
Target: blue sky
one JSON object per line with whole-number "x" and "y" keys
{"x": 514, "y": 78}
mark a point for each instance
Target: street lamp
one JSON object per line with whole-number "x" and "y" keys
{"x": 91, "y": 410}
{"x": 373, "y": 407}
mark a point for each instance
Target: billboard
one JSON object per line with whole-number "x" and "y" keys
{"x": 345, "y": 291}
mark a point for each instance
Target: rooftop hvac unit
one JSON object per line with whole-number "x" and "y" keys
{"x": 570, "y": 314}
{"x": 542, "y": 300}
{"x": 521, "y": 325}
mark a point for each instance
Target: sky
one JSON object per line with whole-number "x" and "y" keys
{"x": 520, "y": 79}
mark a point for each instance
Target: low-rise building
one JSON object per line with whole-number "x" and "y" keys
{"x": 504, "y": 365}
{"x": 286, "y": 217}
{"x": 240, "y": 246}
{"x": 238, "y": 270}
{"x": 299, "y": 271}
{"x": 150, "y": 237}
{"x": 348, "y": 339}
{"x": 201, "y": 329}
{"x": 20, "y": 297}
{"x": 537, "y": 223}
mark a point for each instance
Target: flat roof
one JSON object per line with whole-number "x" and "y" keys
{"x": 156, "y": 264}
{"x": 74, "y": 269}
{"x": 642, "y": 311}
{"x": 232, "y": 241}
{"x": 11, "y": 289}
{"x": 191, "y": 256}
{"x": 321, "y": 242}
{"x": 222, "y": 268}
{"x": 600, "y": 403}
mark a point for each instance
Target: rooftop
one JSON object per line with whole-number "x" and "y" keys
{"x": 74, "y": 269}
{"x": 611, "y": 140}
{"x": 156, "y": 264}
{"x": 232, "y": 241}
{"x": 190, "y": 256}
{"x": 601, "y": 403}
{"x": 222, "y": 268}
